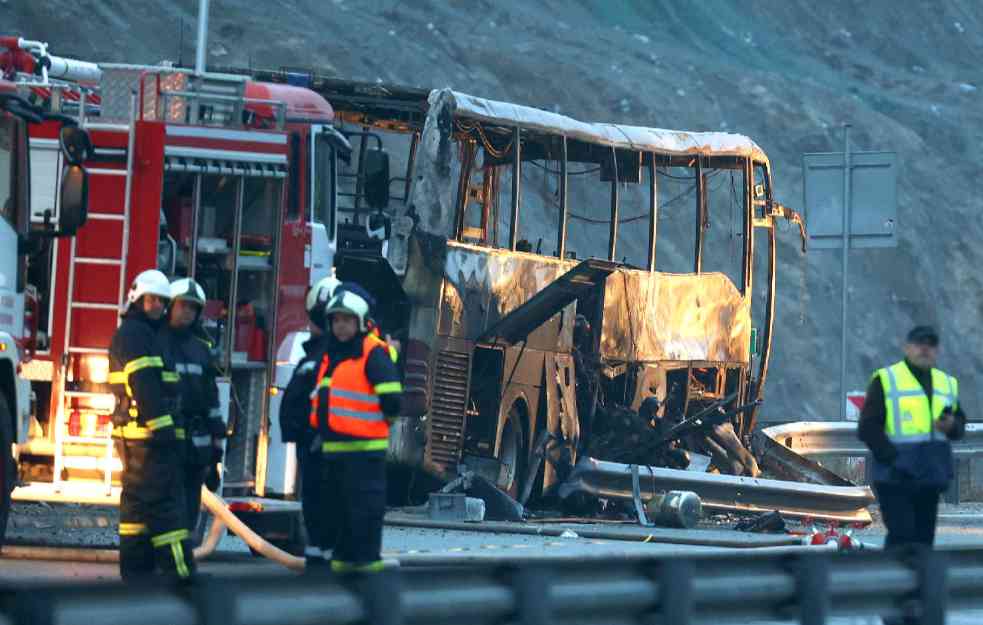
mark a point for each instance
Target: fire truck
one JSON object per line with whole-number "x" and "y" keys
{"x": 214, "y": 176}
{"x": 20, "y": 235}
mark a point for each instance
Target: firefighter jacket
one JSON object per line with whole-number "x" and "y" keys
{"x": 145, "y": 406}
{"x": 358, "y": 391}
{"x": 295, "y": 405}
{"x": 907, "y": 448}
{"x": 190, "y": 355}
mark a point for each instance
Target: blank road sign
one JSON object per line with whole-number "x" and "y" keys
{"x": 873, "y": 199}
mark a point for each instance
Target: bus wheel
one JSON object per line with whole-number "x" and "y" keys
{"x": 8, "y": 472}
{"x": 512, "y": 453}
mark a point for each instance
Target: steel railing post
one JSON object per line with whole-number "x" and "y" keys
{"x": 812, "y": 589}
{"x": 676, "y": 592}
{"x": 381, "y": 597}
{"x": 530, "y": 585}
{"x": 932, "y": 586}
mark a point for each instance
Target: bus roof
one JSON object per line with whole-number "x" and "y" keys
{"x": 658, "y": 140}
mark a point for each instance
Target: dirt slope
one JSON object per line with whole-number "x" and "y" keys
{"x": 786, "y": 73}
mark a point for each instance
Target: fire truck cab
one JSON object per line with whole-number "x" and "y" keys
{"x": 215, "y": 177}
{"x": 17, "y": 238}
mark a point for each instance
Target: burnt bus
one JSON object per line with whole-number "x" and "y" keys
{"x": 551, "y": 281}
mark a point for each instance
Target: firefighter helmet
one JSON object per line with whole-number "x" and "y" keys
{"x": 188, "y": 290}
{"x": 318, "y": 298}
{"x": 150, "y": 282}
{"x": 347, "y": 302}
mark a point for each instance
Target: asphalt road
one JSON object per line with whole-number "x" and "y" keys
{"x": 958, "y": 527}
{"x": 406, "y": 543}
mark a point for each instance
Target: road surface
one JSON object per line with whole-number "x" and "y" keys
{"x": 959, "y": 526}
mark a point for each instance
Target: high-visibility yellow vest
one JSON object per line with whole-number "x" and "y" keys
{"x": 910, "y": 416}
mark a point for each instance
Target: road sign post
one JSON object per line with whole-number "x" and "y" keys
{"x": 850, "y": 201}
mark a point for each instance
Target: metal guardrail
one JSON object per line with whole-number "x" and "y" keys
{"x": 808, "y": 588}
{"x": 817, "y": 439}
{"x": 725, "y": 493}
{"x": 786, "y": 464}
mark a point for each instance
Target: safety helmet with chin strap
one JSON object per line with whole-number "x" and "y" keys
{"x": 150, "y": 282}
{"x": 350, "y": 303}
{"x": 187, "y": 290}
{"x": 318, "y": 298}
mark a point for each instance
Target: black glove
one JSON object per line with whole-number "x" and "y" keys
{"x": 212, "y": 478}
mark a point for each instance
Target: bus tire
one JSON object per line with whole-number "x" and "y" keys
{"x": 513, "y": 452}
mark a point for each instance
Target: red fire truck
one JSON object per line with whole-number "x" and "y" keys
{"x": 213, "y": 176}
{"x": 19, "y": 236}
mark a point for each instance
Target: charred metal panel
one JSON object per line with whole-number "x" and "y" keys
{"x": 524, "y": 319}
{"x": 431, "y": 206}
{"x": 481, "y": 286}
{"x": 416, "y": 375}
{"x": 652, "y": 317}
{"x": 422, "y": 283}
{"x": 561, "y": 419}
{"x": 448, "y": 404}
{"x": 634, "y": 138}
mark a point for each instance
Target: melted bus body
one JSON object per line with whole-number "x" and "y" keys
{"x": 545, "y": 275}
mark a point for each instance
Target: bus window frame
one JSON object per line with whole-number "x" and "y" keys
{"x": 651, "y": 160}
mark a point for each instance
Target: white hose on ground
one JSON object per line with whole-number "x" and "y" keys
{"x": 59, "y": 554}
{"x": 215, "y": 533}
{"x": 214, "y": 504}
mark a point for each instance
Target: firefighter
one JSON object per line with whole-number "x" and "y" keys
{"x": 153, "y": 531}
{"x": 359, "y": 392}
{"x": 911, "y": 412}
{"x": 295, "y": 408}
{"x": 189, "y": 350}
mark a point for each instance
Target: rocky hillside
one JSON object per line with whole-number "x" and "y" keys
{"x": 906, "y": 75}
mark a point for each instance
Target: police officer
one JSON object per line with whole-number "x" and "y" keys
{"x": 295, "y": 409}
{"x": 189, "y": 349}
{"x": 359, "y": 392}
{"x": 153, "y": 531}
{"x": 910, "y": 414}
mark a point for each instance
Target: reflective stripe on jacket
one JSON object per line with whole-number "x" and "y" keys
{"x": 910, "y": 415}
{"x": 138, "y": 378}
{"x": 353, "y": 407}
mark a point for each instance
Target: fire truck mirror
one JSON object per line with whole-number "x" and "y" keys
{"x": 74, "y": 200}
{"x": 76, "y": 146}
{"x": 376, "y": 176}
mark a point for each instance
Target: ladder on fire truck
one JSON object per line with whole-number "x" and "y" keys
{"x": 84, "y": 302}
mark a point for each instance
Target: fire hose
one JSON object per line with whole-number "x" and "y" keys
{"x": 225, "y": 518}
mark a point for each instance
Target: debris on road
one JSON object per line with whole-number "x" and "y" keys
{"x": 455, "y": 507}
{"x": 724, "y": 492}
{"x": 769, "y": 522}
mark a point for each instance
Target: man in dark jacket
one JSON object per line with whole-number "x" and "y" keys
{"x": 295, "y": 409}
{"x": 153, "y": 530}
{"x": 190, "y": 352}
{"x": 910, "y": 414}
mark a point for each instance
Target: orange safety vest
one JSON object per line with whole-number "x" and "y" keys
{"x": 315, "y": 394}
{"x": 353, "y": 403}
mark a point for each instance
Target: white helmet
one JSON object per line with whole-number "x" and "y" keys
{"x": 351, "y": 303}
{"x": 322, "y": 292}
{"x": 188, "y": 290}
{"x": 150, "y": 282}
{"x": 318, "y": 297}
